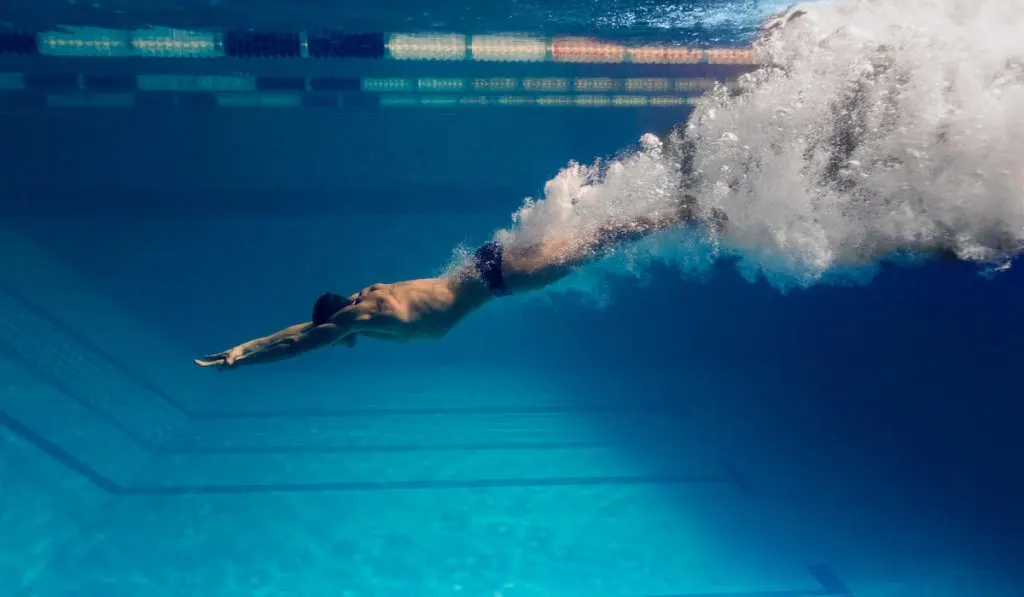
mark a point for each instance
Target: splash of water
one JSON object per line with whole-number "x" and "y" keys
{"x": 876, "y": 130}
{"x": 743, "y": 15}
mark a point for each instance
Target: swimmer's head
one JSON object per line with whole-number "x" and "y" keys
{"x": 327, "y": 305}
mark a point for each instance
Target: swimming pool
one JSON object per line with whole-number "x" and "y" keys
{"x": 632, "y": 433}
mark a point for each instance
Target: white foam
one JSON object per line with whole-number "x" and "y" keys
{"x": 670, "y": 16}
{"x": 936, "y": 89}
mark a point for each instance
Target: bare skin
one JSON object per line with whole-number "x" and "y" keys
{"x": 429, "y": 308}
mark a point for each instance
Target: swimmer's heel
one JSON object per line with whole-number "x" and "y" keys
{"x": 718, "y": 220}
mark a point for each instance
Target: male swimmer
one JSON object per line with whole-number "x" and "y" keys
{"x": 429, "y": 308}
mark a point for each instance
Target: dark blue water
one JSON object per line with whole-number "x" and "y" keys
{"x": 688, "y": 437}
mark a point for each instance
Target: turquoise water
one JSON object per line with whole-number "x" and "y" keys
{"x": 662, "y": 425}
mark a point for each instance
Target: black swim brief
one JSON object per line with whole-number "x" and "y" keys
{"x": 488, "y": 262}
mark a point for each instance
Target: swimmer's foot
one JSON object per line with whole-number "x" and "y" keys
{"x": 687, "y": 212}
{"x": 687, "y": 208}
{"x": 718, "y": 220}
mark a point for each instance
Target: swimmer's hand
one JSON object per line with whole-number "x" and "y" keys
{"x": 221, "y": 360}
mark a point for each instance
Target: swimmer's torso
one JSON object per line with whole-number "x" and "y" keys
{"x": 413, "y": 309}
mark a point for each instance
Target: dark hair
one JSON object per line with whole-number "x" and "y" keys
{"x": 327, "y": 305}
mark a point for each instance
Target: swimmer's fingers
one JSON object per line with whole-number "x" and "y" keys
{"x": 217, "y": 361}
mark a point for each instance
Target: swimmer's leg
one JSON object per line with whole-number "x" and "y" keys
{"x": 531, "y": 268}
{"x": 611, "y": 234}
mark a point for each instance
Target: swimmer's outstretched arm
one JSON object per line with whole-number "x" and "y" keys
{"x": 292, "y": 341}
{"x": 287, "y": 343}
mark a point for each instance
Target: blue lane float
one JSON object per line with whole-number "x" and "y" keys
{"x": 18, "y": 43}
{"x": 281, "y": 83}
{"x": 334, "y": 84}
{"x": 258, "y": 44}
{"x": 335, "y": 44}
{"x": 52, "y": 83}
{"x": 110, "y": 82}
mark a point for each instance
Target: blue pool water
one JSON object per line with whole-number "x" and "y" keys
{"x": 680, "y": 420}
